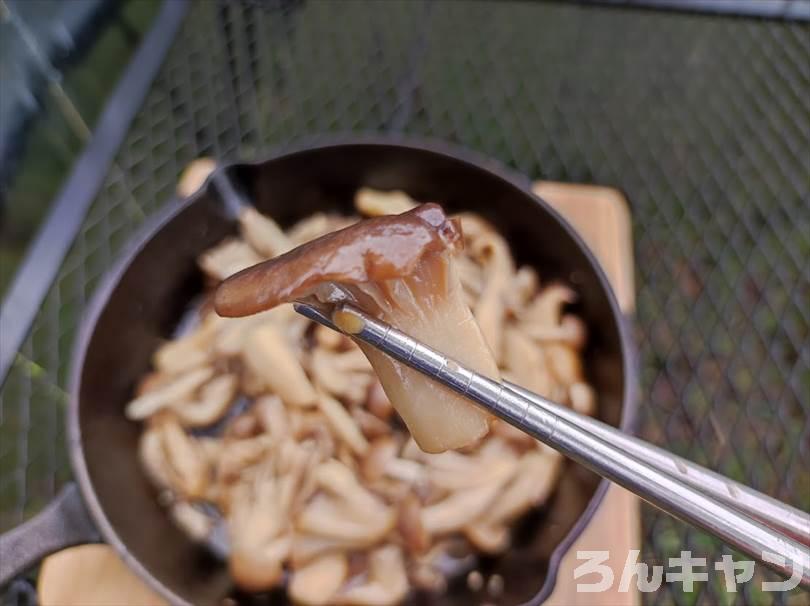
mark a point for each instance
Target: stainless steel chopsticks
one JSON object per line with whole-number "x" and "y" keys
{"x": 694, "y": 495}
{"x": 776, "y": 514}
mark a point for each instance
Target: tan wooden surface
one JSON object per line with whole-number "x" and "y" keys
{"x": 93, "y": 575}
{"x": 602, "y": 217}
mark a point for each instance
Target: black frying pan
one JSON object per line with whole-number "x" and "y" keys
{"x": 142, "y": 300}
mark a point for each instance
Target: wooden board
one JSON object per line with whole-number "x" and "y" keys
{"x": 601, "y": 215}
{"x": 94, "y": 575}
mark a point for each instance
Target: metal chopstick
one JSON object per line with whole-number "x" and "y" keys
{"x": 539, "y": 418}
{"x": 776, "y": 514}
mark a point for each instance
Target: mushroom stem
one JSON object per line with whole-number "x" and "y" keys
{"x": 269, "y": 356}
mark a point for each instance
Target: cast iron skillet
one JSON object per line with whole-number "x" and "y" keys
{"x": 142, "y": 299}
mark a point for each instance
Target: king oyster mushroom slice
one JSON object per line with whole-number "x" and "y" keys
{"x": 270, "y": 356}
{"x": 376, "y": 203}
{"x": 386, "y": 582}
{"x": 399, "y": 268}
{"x": 167, "y": 393}
{"x": 263, "y": 234}
{"x": 318, "y": 581}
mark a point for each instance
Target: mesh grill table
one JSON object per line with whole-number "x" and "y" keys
{"x": 703, "y": 122}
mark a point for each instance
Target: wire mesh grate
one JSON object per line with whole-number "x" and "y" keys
{"x": 702, "y": 121}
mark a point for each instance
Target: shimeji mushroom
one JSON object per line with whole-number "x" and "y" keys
{"x": 194, "y": 175}
{"x": 317, "y": 582}
{"x": 345, "y": 510}
{"x": 186, "y": 465}
{"x": 386, "y": 583}
{"x": 213, "y": 401}
{"x": 227, "y": 258}
{"x": 346, "y": 375}
{"x": 530, "y": 486}
{"x": 272, "y": 416}
{"x": 317, "y": 225}
{"x": 583, "y": 398}
{"x": 306, "y": 547}
{"x": 399, "y": 268}
{"x": 168, "y": 392}
{"x": 524, "y": 287}
{"x": 525, "y": 362}
{"x": 258, "y": 519}
{"x": 194, "y": 522}
{"x": 493, "y": 252}
{"x": 376, "y": 203}
{"x": 547, "y": 307}
{"x": 270, "y": 356}
{"x": 372, "y": 426}
{"x": 189, "y": 351}
{"x": 233, "y": 333}
{"x": 237, "y": 455}
{"x": 153, "y": 457}
{"x": 262, "y": 233}
{"x": 409, "y": 525}
{"x": 343, "y": 424}
{"x": 461, "y": 507}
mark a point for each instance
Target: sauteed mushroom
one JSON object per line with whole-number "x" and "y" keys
{"x": 401, "y": 268}
{"x": 386, "y": 584}
{"x": 317, "y": 582}
{"x": 320, "y": 484}
{"x": 268, "y": 354}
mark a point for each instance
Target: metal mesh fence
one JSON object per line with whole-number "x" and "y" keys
{"x": 702, "y": 121}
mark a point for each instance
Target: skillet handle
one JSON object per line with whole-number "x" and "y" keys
{"x": 63, "y": 523}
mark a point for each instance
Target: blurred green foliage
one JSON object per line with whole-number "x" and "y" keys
{"x": 55, "y": 138}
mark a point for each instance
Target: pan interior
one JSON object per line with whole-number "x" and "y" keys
{"x": 161, "y": 279}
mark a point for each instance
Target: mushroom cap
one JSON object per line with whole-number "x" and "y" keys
{"x": 376, "y": 249}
